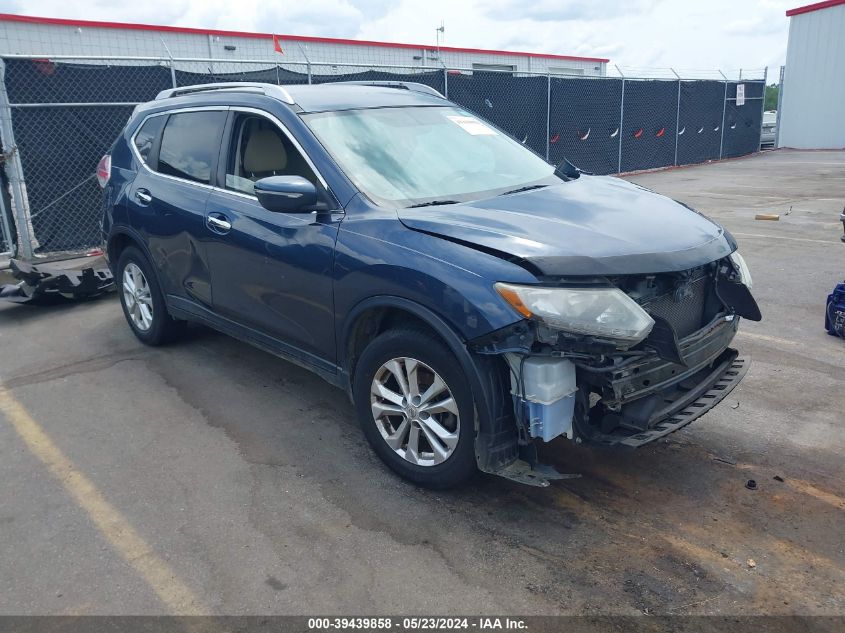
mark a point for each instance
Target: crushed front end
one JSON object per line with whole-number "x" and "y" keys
{"x": 643, "y": 355}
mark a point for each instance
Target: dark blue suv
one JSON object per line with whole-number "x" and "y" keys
{"x": 472, "y": 299}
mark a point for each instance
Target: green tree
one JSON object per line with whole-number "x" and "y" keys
{"x": 771, "y": 101}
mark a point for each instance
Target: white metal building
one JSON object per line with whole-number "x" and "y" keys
{"x": 812, "y": 108}
{"x": 53, "y": 36}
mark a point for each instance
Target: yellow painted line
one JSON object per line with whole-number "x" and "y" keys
{"x": 822, "y": 495}
{"x": 112, "y": 525}
{"x": 784, "y": 237}
{"x": 765, "y": 337}
{"x": 805, "y": 487}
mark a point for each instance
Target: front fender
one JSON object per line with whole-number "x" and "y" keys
{"x": 496, "y": 438}
{"x": 450, "y": 288}
{"x": 379, "y": 256}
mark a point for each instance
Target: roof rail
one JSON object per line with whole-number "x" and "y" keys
{"x": 404, "y": 85}
{"x": 271, "y": 90}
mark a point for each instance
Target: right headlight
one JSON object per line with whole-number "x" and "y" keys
{"x": 604, "y": 312}
{"x": 741, "y": 268}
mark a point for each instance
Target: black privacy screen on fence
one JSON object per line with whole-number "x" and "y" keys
{"x": 584, "y": 123}
{"x": 66, "y": 116}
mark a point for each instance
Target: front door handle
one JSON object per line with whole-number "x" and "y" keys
{"x": 218, "y": 223}
{"x": 143, "y": 196}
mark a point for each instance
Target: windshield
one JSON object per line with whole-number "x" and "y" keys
{"x": 417, "y": 155}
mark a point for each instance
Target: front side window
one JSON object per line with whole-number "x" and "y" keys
{"x": 412, "y": 155}
{"x": 258, "y": 149}
{"x": 147, "y": 135}
{"x": 190, "y": 143}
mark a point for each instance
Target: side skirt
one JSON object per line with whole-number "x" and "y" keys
{"x": 181, "y": 308}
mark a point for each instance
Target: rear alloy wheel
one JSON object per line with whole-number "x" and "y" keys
{"x": 142, "y": 300}
{"x": 415, "y": 406}
{"x": 136, "y": 297}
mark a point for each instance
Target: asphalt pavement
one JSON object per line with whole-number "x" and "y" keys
{"x": 211, "y": 477}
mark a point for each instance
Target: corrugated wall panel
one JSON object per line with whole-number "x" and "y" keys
{"x": 53, "y": 39}
{"x": 813, "y": 107}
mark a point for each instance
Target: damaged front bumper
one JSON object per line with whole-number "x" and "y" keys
{"x": 636, "y": 399}
{"x": 644, "y": 402}
{"x": 592, "y": 390}
{"x": 673, "y": 406}
{"x": 631, "y": 406}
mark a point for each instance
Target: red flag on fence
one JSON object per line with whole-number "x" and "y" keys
{"x": 277, "y": 44}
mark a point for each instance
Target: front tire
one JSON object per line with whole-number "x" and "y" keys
{"x": 142, "y": 300}
{"x": 415, "y": 406}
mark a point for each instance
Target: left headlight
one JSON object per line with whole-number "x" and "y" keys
{"x": 604, "y": 312}
{"x": 741, "y": 268}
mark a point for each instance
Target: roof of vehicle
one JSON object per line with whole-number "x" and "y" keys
{"x": 320, "y": 97}
{"x": 340, "y": 96}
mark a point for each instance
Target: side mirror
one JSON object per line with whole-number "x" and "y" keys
{"x": 568, "y": 170}
{"x": 286, "y": 194}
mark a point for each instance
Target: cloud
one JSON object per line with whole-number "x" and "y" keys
{"x": 557, "y": 11}
{"x": 329, "y": 18}
{"x": 754, "y": 27}
{"x": 310, "y": 18}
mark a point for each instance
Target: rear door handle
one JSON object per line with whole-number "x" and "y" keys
{"x": 218, "y": 223}
{"x": 143, "y": 196}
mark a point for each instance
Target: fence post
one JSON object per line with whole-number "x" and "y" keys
{"x": 763, "y": 103}
{"x": 722, "y": 127}
{"x": 780, "y": 101}
{"x": 308, "y": 68}
{"x": 14, "y": 172}
{"x": 621, "y": 124}
{"x": 677, "y": 119}
{"x": 4, "y": 225}
{"x": 548, "y": 113}
{"x": 446, "y": 83}
{"x": 173, "y": 73}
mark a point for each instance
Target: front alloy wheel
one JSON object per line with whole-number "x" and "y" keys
{"x": 415, "y": 405}
{"x": 415, "y": 412}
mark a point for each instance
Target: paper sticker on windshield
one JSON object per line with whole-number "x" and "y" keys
{"x": 472, "y": 125}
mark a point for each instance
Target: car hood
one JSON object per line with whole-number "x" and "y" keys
{"x": 594, "y": 225}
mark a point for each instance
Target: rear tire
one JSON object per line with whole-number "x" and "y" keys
{"x": 142, "y": 300}
{"x": 415, "y": 406}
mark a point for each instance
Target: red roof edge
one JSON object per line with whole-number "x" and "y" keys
{"x": 814, "y": 7}
{"x": 10, "y": 17}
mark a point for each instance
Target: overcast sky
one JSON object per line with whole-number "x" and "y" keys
{"x": 701, "y": 34}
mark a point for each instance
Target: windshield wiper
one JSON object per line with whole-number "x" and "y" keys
{"x": 433, "y": 203}
{"x": 521, "y": 189}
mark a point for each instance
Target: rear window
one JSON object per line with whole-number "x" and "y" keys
{"x": 189, "y": 145}
{"x": 147, "y": 135}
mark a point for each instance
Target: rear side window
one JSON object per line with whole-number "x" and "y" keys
{"x": 189, "y": 145}
{"x": 147, "y": 135}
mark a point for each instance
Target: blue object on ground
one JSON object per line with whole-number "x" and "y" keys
{"x": 834, "y": 317}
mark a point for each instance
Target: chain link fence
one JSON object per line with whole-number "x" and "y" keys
{"x": 59, "y": 116}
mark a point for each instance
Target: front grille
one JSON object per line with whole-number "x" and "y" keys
{"x": 685, "y": 311}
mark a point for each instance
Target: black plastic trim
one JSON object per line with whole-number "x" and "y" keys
{"x": 182, "y": 308}
{"x": 710, "y": 392}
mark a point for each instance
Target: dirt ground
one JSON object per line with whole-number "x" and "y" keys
{"x": 209, "y": 477}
